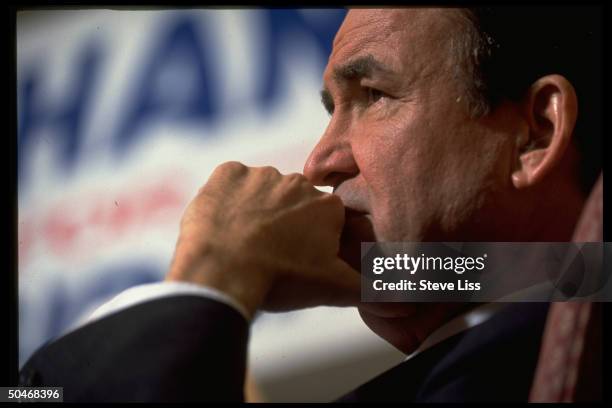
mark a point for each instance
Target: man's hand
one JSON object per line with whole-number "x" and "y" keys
{"x": 268, "y": 240}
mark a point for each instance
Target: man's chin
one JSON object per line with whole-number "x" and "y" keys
{"x": 391, "y": 321}
{"x": 396, "y": 330}
{"x": 406, "y": 325}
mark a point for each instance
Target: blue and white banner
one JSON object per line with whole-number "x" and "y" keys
{"x": 122, "y": 116}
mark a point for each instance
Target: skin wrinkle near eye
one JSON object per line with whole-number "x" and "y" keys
{"x": 360, "y": 67}
{"x": 364, "y": 68}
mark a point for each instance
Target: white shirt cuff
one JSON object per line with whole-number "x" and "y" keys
{"x": 150, "y": 291}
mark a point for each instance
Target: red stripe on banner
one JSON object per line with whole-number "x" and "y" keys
{"x": 67, "y": 226}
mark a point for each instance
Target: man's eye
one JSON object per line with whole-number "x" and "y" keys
{"x": 374, "y": 95}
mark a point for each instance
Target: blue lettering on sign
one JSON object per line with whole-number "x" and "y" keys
{"x": 65, "y": 117}
{"x": 176, "y": 79}
{"x": 279, "y": 22}
{"x": 175, "y": 83}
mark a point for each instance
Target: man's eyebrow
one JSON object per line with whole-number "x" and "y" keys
{"x": 361, "y": 67}
{"x": 327, "y": 101}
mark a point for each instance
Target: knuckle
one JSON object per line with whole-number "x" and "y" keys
{"x": 296, "y": 178}
{"x": 223, "y": 173}
{"x": 267, "y": 174}
{"x": 269, "y": 170}
{"x": 231, "y": 167}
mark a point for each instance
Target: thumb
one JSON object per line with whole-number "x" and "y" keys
{"x": 342, "y": 285}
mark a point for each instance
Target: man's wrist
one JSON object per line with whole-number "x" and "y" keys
{"x": 244, "y": 284}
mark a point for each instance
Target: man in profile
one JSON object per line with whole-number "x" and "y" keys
{"x": 446, "y": 125}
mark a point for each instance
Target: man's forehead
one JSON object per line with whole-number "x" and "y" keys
{"x": 379, "y": 23}
{"x": 373, "y": 20}
{"x": 393, "y": 35}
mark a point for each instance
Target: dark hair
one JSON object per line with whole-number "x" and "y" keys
{"x": 506, "y": 49}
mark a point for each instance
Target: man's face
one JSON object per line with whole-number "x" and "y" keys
{"x": 401, "y": 148}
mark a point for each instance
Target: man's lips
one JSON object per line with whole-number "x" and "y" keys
{"x": 351, "y": 213}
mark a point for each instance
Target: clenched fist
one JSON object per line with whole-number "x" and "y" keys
{"x": 268, "y": 240}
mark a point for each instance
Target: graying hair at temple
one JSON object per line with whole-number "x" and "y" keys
{"x": 503, "y": 50}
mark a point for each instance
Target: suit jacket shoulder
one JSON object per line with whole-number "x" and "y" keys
{"x": 494, "y": 361}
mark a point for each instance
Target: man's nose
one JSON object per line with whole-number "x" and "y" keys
{"x": 330, "y": 162}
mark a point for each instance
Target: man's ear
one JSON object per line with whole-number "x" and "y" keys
{"x": 550, "y": 108}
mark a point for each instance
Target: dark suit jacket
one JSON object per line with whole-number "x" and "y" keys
{"x": 190, "y": 348}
